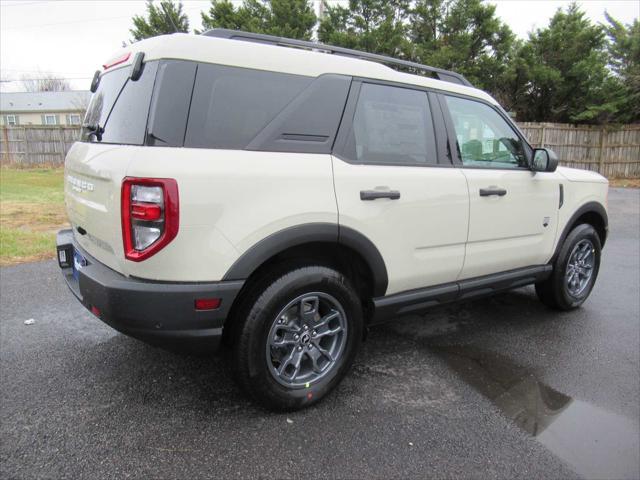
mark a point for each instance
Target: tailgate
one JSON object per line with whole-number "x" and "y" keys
{"x": 93, "y": 179}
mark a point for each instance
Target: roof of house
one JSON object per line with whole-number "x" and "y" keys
{"x": 74, "y": 100}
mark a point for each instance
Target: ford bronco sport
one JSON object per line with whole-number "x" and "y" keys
{"x": 282, "y": 196}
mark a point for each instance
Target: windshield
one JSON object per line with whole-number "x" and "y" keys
{"x": 119, "y": 107}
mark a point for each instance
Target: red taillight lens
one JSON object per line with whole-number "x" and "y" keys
{"x": 150, "y": 215}
{"x": 145, "y": 211}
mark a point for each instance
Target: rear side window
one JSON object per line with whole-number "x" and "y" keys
{"x": 392, "y": 125}
{"x": 230, "y": 105}
{"x": 120, "y": 106}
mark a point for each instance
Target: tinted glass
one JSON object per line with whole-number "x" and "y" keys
{"x": 230, "y": 105}
{"x": 310, "y": 122}
{"x": 103, "y": 99}
{"x": 170, "y": 103}
{"x": 483, "y": 137}
{"x": 392, "y": 125}
{"x": 127, "y": 121}
{"x": 120, "y": 106}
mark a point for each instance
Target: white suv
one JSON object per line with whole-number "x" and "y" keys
{"x": 283, "y": 196}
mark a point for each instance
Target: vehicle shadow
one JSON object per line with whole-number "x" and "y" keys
{"x": 516, "y": 310}
{"x": 130, "y": 372}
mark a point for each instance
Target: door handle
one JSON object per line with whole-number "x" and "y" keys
{"x": 375, "y": 194}
{"x": 487, "y": 192}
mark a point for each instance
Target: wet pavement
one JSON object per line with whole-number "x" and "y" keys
{"x": 594, "y": 442}
{"x": 496, "y": 388}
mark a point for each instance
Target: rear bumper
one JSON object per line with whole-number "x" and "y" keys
{"x": 159, "y": 313}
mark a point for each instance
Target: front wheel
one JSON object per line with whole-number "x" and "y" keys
{"x": 299, "y": 337}
{"x": 574, "y": 271}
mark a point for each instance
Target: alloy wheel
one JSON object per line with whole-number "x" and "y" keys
{"x": 306, "y": 340}
{"x": 580, "y": 267}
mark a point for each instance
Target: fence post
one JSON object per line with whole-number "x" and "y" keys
{"x": 542, "y": 137}
{"x": 62, "y": 144}
{"x": 7, "y": 150}
{"x": 602, "y": 146}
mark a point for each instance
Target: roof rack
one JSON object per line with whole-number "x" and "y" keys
{"x": 438, "y": 73}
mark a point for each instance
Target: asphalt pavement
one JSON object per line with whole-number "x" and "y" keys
{"x": 496, "y": 388}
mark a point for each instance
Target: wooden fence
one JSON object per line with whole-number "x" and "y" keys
{"x": 35, "y": 145}
{"x": 611, "y": 151}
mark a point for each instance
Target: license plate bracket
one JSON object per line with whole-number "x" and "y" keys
{"x": 78, "y": 262}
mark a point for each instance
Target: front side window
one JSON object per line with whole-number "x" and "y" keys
{"x": 483, "y": 137}
{"x": 50, "y": 120}
{"x": 392, "y": 125}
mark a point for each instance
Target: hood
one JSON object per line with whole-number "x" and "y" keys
{"x": 579, "y": 175}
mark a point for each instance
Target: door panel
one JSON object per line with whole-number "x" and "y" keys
{"x": 513, "y": 211}
{"x": 514, "y": 230}
{"x": 395, "y": 184}
{"x": 421, "y": 235}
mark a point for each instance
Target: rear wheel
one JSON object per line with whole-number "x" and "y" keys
{"x": 300, "y": 333}
{"x": 574, "y": 271}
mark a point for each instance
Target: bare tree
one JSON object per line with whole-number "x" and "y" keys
{"x": 45, "y": 83}
{"x": 81, "y": 102}
{"x": 6, "y": 82}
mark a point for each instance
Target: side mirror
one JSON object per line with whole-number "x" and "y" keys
{"x": 544, "y": 160}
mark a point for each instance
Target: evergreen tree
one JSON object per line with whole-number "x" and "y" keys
{"x": 163, "y": 19}
{"x": 285, "y": 18}
{"x": 561, "y": 72}
{"x": 624, "y": 60}
{"x": 378, "y": 26}
{"x": 465, "y": 36}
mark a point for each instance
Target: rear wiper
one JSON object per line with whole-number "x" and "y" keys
{"x": 95, "y": 130}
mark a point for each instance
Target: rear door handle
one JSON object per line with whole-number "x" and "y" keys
{"x": 375, "y": 194}
{"x": 487, "y": 192}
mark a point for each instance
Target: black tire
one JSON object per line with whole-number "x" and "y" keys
{"x": 554, "y": 291}
{"x": 264, "y": 307}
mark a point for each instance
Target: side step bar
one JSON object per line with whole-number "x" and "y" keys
{"x": 390, "y": 306}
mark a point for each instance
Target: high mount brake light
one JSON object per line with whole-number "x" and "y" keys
{"x": 117, "y": 61}
{"x": 150, "y": 215}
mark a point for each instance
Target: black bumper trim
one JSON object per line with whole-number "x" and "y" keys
{"x": 159, "y": 313}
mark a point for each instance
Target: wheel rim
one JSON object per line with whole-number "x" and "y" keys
{"x": 580, "y": 267}
{"x": 306, "y": 340}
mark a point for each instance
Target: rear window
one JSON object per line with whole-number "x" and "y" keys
{"x": 231, "y": 105}
{"x": 120, "y": 106}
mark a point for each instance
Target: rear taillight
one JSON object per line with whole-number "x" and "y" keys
{"x": 150, "y": 215}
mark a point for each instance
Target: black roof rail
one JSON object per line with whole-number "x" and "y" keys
{"x": 439, "y": 73}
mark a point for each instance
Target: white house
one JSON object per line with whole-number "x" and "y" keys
{"x": 43, "y": 108}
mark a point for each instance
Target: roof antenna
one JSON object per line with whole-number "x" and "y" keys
{"x": 163, "y": 5}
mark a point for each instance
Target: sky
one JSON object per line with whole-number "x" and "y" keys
{"x": 72, "y": 38}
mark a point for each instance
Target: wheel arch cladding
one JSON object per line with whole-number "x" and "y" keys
{"x": 592, "y": 213}
{"x": 312, "y": 233}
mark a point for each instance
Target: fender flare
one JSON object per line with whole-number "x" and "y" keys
{"x": 590, "y": 207}
{"x": 297, "y": 235}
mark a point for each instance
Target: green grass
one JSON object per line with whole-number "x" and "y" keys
{"x": 31, "y": 211}
{"x": 19, "y": 246}
{"x": 34, "y": 185}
